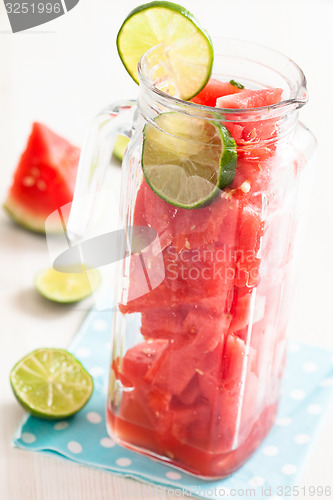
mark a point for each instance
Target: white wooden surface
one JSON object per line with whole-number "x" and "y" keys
{"x": 64, "y": 72}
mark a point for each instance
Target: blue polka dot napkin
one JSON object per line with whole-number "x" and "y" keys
{"x": 276, "y": 465}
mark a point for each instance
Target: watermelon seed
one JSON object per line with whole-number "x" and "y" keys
{"x": 28, "y": 181}
{"x": 35, "y": 171}
{"x": 245, "y": 187}
{"x": 41, "y": 185}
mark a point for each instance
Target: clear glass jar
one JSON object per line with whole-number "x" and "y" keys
{"x": 199, "y": 330}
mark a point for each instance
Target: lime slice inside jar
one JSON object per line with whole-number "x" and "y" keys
{"x": 187, "y": 161}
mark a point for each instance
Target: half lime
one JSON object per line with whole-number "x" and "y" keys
{"x": 67, "y": 287}
{"x": 51, "y": 383}
{"x": 187, "y": 50}
{"x": 187, "y": 161}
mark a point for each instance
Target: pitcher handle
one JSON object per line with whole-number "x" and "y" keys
{"x": 117, "y": 118}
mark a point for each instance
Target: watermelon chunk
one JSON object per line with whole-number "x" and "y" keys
{"x": 134, "y": 409}
{"x": 183, "y": 359}
{"x": 194, "y": 275}
{"x": 220, "y": 387}
{"x": 240, "y": 309}
{"x": 185, "y": 425}
{"x": 177, "y": 226}
{"x": 44, "y": 179}
{"x": 255, "y": 170}
{"x": 250, "y": 133}
{"x": 163, "y": 323}
{"x": 139, "y": 359}
{"x": 191, "y": 277}
{"x": 213, "y": 90}
{"x": 250, "y": 99}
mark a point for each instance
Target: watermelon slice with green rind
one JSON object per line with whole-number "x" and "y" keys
{"x": 44, "y": 179}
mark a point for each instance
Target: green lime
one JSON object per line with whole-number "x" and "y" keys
{"x": 51, "y": 383}
{"x": 186, "y": 49}
{"x": 186, "y": 160}
{"x": 67, "y": 287}
{"x": 119, "y": 146}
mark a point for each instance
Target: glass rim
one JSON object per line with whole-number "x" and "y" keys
{"x": 188, "y": 107}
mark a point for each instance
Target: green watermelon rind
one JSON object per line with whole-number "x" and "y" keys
{"x": 31, "y": 222}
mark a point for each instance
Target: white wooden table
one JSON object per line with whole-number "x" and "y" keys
{"x": 62, "y": 73}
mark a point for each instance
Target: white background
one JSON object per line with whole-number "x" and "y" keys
{"x": 62, "y": 73}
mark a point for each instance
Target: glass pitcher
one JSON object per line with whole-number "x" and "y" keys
{"x": 201, "y": 309}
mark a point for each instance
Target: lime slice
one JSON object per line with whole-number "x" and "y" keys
{"x": 67, "y": 287}
{"x": 51, "y": 383}
{"x": 186, "y": 160}
{"x": 187, "y": 50}
{"x": 120, "y": 146}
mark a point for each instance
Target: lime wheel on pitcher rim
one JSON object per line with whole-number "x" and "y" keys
{"x": 186, "y": 47}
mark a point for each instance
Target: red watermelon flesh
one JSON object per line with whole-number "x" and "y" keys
{"x": 185, "y": 424}
{"x": 191, "y": 277}
{"x": 190, "y": 394}
{"x": 250, "y": 99}
{"x": 208, "y": 272}
{"x": 233, "y": 362}
{"x": 197, "y": 381}
{"x": 177, "y": 226}
{"x": 240, "y": 309}
{"x": 163, "y": 323}
{"x": 140, "y": 358}
{"x": 183, "y": 230}
{"x": 212, "y": 90}
{"x": 220, "y": 386}
{"x": 44, "y": 179}
{"x": 255, "y": 172}
{"x": 178, "y": 324}
{"x": 181, "y": 361}
{"x": 136, "y": 416}
{"x": 249, "y": 133}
